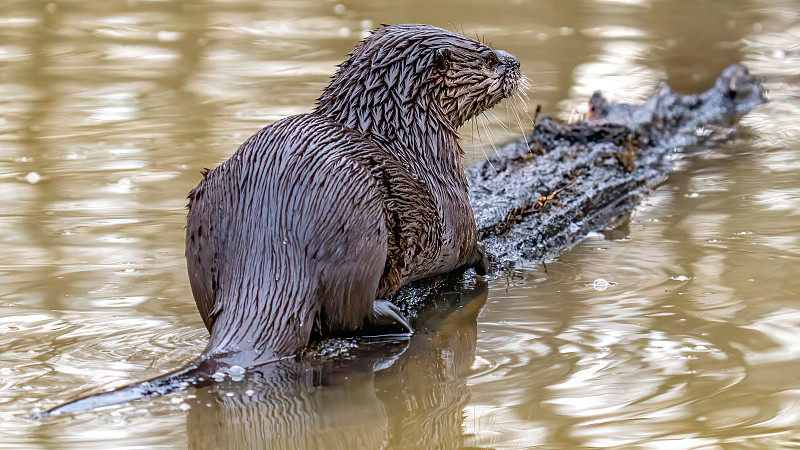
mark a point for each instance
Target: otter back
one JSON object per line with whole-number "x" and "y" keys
{"x": 292, "y": 234}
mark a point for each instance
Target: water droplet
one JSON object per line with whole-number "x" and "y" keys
{"x": 33, "y": 177}
{"x": 680, "y": 278}
{"x": 600, "y": 284}
{"x": 249, "y": 392}
{"x": 236, "y": 372}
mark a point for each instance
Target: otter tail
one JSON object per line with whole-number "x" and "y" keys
{"x": 197, "y": 374}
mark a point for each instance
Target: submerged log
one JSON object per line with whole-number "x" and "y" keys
{"x": 539, "y": 196}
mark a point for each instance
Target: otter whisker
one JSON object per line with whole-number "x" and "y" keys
{"x": 472, "y": 135}
{"x": 498, "y": 121}
{"x": 515, "y": 110}
{"x": 525, "y": 84}
{"x": 525, "y": 102}
{"x": 524, "y": 89}
{"x": 483, "y": 122}
{"x": 472, "y": 129}
{"x": 491, "y": 118}
{"x": 525, "y": 98}
{"x": 516, "y": 116}
{"x": 475, "y": 120}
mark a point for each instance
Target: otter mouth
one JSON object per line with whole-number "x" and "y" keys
{"x": 509, "y": 74}
{"x": 511, "y": 82}
{"x": 504, "y": 81}
{"x": 507, "y": 80}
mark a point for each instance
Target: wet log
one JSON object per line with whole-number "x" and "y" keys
{"x": 539, "y": 196}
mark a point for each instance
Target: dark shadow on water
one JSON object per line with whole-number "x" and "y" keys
{"x": 370, "y": 393}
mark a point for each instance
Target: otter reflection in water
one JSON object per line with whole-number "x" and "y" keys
{"x": 355, "y": 401}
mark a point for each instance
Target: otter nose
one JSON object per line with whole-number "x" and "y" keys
{"x": 507, "y": 59}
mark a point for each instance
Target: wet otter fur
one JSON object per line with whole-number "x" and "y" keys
{"x": 318, "y": 215}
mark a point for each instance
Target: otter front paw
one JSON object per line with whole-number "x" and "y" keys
{"x": 480, "y": 261}
{"x": 387, "y": 319}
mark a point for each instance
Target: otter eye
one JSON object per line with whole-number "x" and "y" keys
{"x": 441, "y": 60}
{"x": 492, "y": 58}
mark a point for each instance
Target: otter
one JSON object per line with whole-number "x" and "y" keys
{"x": 318, "y": 215}
{"x": 318, "y": 218}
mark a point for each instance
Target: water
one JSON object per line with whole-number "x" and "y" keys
{"x": 109, "y": 110}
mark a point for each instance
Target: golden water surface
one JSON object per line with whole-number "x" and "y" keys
{"x": 110, "y": 109}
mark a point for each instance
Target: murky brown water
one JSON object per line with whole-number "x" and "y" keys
{"x": 108, "y": 111}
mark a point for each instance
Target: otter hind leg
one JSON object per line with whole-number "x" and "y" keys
{"x": 386, "y": 319}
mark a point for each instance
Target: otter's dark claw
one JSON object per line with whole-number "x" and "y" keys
{"x": 386, "y": 316}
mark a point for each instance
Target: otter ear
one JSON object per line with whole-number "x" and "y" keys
{"x": 441, "y": 59}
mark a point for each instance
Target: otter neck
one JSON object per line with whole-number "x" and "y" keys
{"x": 424, "y": 142}
{"x": 428, "y": 142}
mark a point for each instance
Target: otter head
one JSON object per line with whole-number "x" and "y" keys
{"x": 402, "y": 75}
